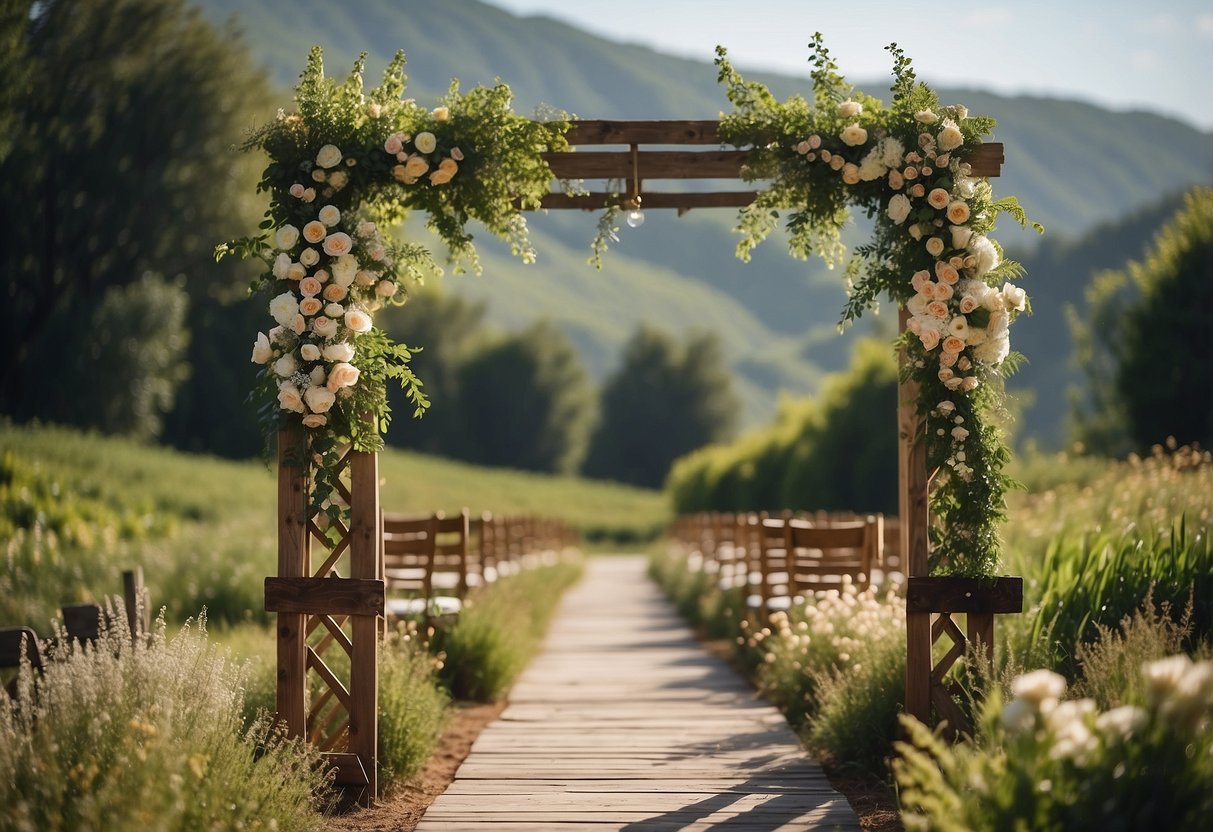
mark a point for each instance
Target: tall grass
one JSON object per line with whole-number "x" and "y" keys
{"x": 412, "y": 707}
{"x": 122, "y": 736}
{"x": 76, "y": 509}
{"x": 499, "y": 630}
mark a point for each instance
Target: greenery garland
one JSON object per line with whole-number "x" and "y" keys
{"x": 905, "y": 165}
{"x": 343, "y": 171}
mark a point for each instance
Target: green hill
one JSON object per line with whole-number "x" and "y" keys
{"x": 1074, "y": 166}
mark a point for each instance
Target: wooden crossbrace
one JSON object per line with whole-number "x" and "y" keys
{"x": 314, "y": 662}
{"x": 944, "y": 624}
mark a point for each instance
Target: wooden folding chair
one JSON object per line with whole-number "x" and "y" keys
{"x": 17, "y": 643}
{"x": 409, "y": 545}
{"x": 822, "y": 557}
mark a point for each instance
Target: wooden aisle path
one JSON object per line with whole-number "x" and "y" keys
{"x": 625, "y": 722}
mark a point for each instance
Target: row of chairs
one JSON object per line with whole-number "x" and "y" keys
{"x": 778, "y": 560}
{"x": 431, "y": 562}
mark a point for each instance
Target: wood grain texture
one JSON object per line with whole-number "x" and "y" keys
{"x": 292, "y": 563}
{"x": 329, "y": 596}
{"x": 947, "y": 594}
{"x": 626, "y": 722}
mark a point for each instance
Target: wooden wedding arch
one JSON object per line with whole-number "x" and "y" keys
{"x": 340, "y": 601}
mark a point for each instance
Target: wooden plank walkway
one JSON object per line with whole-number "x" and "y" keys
{"x": 625, "y": 722}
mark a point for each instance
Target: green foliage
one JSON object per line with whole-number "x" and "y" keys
{"x": 908, "y": 167}
{"x": 499, "y": 630}
{"x": 665, "y": 400}
{"x": 119, "y": 119}
{"x": 412, "y": 707}
{"x": 525, "y": 402}
{"x": 148, "y": 736}
{"x": 836, "y": 452}
{"x": 1043, "y": 765}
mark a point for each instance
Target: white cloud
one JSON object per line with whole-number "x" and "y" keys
{"x": 1204, "y": 24}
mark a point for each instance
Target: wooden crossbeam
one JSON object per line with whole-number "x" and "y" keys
{"x": 319, "y": 596}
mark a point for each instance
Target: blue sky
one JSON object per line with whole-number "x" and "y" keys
{"x": 1125, "y": 55}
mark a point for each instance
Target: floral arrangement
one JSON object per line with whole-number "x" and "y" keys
{"x": 1046, "y": 762}
{"x": 343, "y": 170}
{"x": 906, "y": 166}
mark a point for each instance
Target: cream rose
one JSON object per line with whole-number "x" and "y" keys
{"x": 296, "y": 271}
{"x": 340, "y": 352}
{"x": 328, "y": 156}
{"x": 899, "y": 208}
{"x": 850, "y": 109}
{"x": 281, "y": 263}
{"x": 959, "y": 434}
{"x": 935, "y": 246}
{"x": 309, "y": 287}
{"x": 315, "y": 231}
{"x": 950, "y": 136}
{"x": 334, "y": 310}
{"x": 961, "y": 236}
{"x": 853, "y": 135}
{"x": 958, "y": 211}
{"x": 337, "y": 244}
{"x": 920, "y": 281}
{"x": 357, "y": 320}
{"x": 299, "y": 325}
{"x": 315, "y": 420}
{"x": 342, "y": 375}
{"x": 330, "y": 215}
{"x": 385, "y": 288}
{"x": 286, "y": 366}
{"x": 339, "y": 179}
{"x": 319, "y": 399}
{"x": 324, "y": 327}
{"x": 289, "y": 398}
{"x": 316, "y": 376}
{"x": 364, "y": 278}
{"x": 309, "y": 257}
{"x": 284, "y": 307}
{"x": 309, "y": 352}
{"x": 425, "y": 142}
{"x": 925, "y": 117}
{"x": 287, "y": 237}
{"x": 262, "y": 352}
{"x": 959, "y": 327}
{"x": 1013, "y": 297}
{"x": 937, "y": 198}
{"x": 441, "y": 113}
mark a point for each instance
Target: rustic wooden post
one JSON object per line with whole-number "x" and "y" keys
{"x": 322, "y": 610}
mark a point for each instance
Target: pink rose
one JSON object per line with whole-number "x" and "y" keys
{"x": 309, "y": 287}
{"x": 896, "y": 180}
{"x": 929, "y": 338}
{"x": 297, "y": 191}
{"x": 967, "y": 304}
{"x": 938, "y": 309}
{"x": 456, "y": 154}
{"x": 953, "y": 344}
{"x": 393, "y": 145}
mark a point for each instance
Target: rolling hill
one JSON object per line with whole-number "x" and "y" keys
{"x": 1074, "y": 165}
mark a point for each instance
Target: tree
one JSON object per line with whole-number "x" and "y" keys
{"x": 1148, "y": 349}
{"x": 116, "y": 161}
{"x": 664, "y": 401}
{"x": 447, "y": 327}
{"x": 525, "y": 402}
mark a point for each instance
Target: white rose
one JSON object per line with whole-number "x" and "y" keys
{"x": 425, "y": 142}
{"x": 958, "y": 433}
{"x": 899, "y": 208}
{"x": 285, "y": 366}
{"x": 872, "y": 167}
{"x": 324, "y": 327}
{"x": 262, "y": 352}
{"x": 309, "y": 257}
{"x": 334, "y": 310}
{"x": 961, "y": 236}
{"x": 854, "y": 135}
{"x": 330, "y": 215}
{"x": 891, "y": 151}
{"x": 284, "y": 308}
{"x": 441, "y": 113}
{"x": 316, "y": 376}
{"x": 344, "y": 268}
{"x": 281, "y": 264}
{"x": 341, "y": 352}
{"x": 950, "y": 136}
{"x": 309, "y": 352}
{"x": 296, "y": 271}
{"x": 319, "y": 399}
{"x": 342, "y": 375}
{"x": 357, "y": 320}
{"x": 328, "y": 156}
{"x": 289, "y": 398}
{"x": 287, "y": 237}
{"x": 925, "y": 117}
{"x": 850, "y": 109}
{"x": 966, "y": 187}
{"x": 1014, "y": 297}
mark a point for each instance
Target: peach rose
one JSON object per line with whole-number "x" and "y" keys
{"x": 335, "y": 292}
{"x": 337, "y": 244}
{"x": 958, "y": 211}
{"x": 946, "y": 273}
{"x": 289, "y": 398}
{"x": 319, "y": 399}
{"x": 935, "y": 246}
{"x": 968, "y": 303}
{"x": 342, "y": 375}
{"x": 416, "y": 167}
{"x": 315, "y": 420}
{"x": 953, "y": 344}
{"x": 938, "y": 309}
{"x": 938, "y": 198}
{"x": 315, "y": 231}
{"x": 920, "y": 281}
{"x": 929, "y": 338}
{"x": 917, "y": 190}
{"x": 357, "y": 320}
{"x": 439, "y": 177}
{"x": 324, "y": 327}
{"x": 309, "y": 287}
{"x": 299, "y": 325}
{"x": 310, "y": 306}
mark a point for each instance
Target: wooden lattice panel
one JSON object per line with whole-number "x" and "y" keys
{"x": 329, "y": 600}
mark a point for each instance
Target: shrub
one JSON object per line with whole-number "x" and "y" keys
{"x": 499, "y": 629}
{"x": 148, "y": 736}
{"x": 1044, "y": 764}
{"x": 412, "y": 707}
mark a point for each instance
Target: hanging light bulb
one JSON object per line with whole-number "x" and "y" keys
{"x": 635, "y": 217}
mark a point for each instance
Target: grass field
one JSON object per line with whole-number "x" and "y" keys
{"x": 76, "y": 509}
